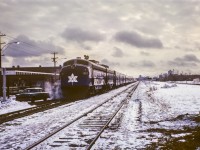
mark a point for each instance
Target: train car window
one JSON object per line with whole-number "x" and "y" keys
{"x": 82, "y": 62}
{"x": 68, "y": 63}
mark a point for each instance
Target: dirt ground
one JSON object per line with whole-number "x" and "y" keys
{"x": 190, "y": 139}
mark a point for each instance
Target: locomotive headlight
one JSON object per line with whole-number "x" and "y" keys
{"x": 85, "y": 73}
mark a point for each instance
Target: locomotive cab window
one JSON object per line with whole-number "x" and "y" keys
{"x": 82, "y": 62}
{"x": 69, "y": 63}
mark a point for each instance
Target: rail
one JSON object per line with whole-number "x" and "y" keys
{"x": 79, "y": 117}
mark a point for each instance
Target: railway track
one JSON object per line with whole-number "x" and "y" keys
{"x": 29, "y": 111}
{"x": 82, "y": 132}
{"x": 41, "y": 106}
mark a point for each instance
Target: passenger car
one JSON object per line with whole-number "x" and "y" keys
{"x": 32, "y": 94}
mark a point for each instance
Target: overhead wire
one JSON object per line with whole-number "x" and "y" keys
{"x": 28, "y": 44}
{"x": 22, "y": 50}
{"x": 29, "y": 50}
{"x": 28, "y": 53}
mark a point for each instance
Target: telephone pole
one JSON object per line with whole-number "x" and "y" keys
{"x": 54, "y": 61}
{"x": 2, "y": 84}
{"x": 1, "y": 35}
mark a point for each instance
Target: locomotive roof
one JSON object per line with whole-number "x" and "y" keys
{"x": 92, "y": 62}
{"x": 97, "y": 65}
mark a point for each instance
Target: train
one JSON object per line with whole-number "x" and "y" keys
{"x": 81, "y": 78}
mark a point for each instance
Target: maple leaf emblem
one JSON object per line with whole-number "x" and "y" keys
{"x": 72, "y": 78}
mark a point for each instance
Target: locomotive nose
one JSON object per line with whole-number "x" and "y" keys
{"x": 74, "y": 75}
{"x": 73, "y": 66}
{"x": 72, "y": 78}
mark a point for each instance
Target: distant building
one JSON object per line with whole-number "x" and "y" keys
{"x": 20, "y": 81}
{"x": 141, "y": 78}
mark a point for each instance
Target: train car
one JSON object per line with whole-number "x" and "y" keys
{"x": 80, "y": 78}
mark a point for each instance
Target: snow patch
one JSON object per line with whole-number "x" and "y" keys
{"x": 169, "y": 86}
{"x": 11, "y": 105}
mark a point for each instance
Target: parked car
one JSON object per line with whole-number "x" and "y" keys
{"x": 32, "y": 94}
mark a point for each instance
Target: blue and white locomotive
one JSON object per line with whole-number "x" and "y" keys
{"x": 80, "y": 78}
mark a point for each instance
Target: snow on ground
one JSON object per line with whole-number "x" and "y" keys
{"x": 157, "y": 114}
{"x": 23, "y": 131}
{"x": 11, "y": 105}
{"x": 187, "y": 82}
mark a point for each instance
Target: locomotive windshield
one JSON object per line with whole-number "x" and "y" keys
{"x": 82, "y": 62}
{"x": 72, "y": 62}
{"x": 68, "y": 63}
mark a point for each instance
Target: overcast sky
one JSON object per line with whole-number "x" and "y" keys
{"x": 146, "y": 37}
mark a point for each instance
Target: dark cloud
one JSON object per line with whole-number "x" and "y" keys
{"x": 81, "y": 36}
{"x": 143, "y": 64}
{"x": 181, "y": 64}
{"x": 188, "y": 60}
{"x": 117, "y": 52}
{"x": 30, "y": 48}
{"x": 85, "y": 47}
{"x": 109, "y": 63}
{"x": 137, "y": 40}
{"x": 157, "y": 24}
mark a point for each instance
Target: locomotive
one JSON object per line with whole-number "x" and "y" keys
{"x": 81, "y": 78}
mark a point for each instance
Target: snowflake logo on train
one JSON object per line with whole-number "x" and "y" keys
{"x": 72, "y": 78}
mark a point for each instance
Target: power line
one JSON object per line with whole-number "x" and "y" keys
{"x": 25, "y": 51}
{"x": 31, "y": 47}
{"x": 28, "y": 44}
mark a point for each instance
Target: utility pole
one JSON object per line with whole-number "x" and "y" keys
{"x": 54, "y": 61}
{"x": 1, "y": 48}
{"x": 2, "y": 72}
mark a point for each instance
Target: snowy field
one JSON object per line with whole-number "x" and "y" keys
{"x": 159, "y": 116}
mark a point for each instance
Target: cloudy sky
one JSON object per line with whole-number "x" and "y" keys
{"x": 146, "y": 37}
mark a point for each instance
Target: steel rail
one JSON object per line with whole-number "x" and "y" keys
{"x": 108, "y": 122}
{"x": 74, "y": 120}
{"x": 29, "y": 111}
